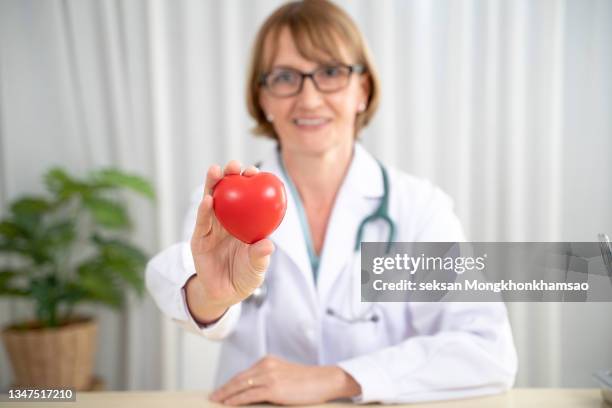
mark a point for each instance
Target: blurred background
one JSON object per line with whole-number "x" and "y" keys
{"x": 507, "y": 105}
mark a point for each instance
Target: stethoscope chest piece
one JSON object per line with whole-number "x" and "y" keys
{"x": 259, "y": 295}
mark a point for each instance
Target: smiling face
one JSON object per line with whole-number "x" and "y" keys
{"x": 313, "y": 122}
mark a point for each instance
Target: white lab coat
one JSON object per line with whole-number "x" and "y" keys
{"x": 415, "y": 352}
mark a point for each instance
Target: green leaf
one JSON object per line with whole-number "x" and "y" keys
{"x": 117, "y": 178}
{"x": 57, "y": 179}
{"x": 100, "y": 290}
{"x": 28, "y": 212}
{"x": 62, "y": 185}
{"x": 122, "y": 260}
{"x": 13, "y": 247}
{"x": 16, "y": 292}
{"x": 7, "y": 275}
{"x": 91, "y": 265}
{"x": 7, "y": 286}
{"x": 130, "y": 274}
{"x": 106, "y": 212}
{"x": 11, "y": 230}
{"x": 113, "y": 248}
{"x": 52, "y": 243}
{"x": 60, "y": 234}
{"x": 30, "y": 205}
{"x": 15, "y": 238}
{"x": 39, "y": 252}
{"x": 95, "y": 282}
{"x": 73, "y": 293}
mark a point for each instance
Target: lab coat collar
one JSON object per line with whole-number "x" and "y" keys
{"x": 362, "y": 183}
{"x": 364, "y": 174}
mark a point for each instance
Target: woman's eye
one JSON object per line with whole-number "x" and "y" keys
{"x": 331, "y": 72}
{"x": 283, "y": 77}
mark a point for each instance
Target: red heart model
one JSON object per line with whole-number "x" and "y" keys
{"x": 250, "y": 208}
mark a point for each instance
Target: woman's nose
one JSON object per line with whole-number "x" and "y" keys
{"x": 310, "y": 96}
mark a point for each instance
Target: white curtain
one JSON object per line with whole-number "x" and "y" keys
{"x": 504, "y": 104}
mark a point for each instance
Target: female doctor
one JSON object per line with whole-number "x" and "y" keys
{"x": 304, "y": 337}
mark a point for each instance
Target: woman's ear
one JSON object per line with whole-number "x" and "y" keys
{"x": 365, "y": 85}
{"x": 263, "y": 104}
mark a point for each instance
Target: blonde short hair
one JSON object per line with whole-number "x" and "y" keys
{"x": 319, "y": 29}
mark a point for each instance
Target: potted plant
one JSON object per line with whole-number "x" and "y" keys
{"x": 61, "y": 249}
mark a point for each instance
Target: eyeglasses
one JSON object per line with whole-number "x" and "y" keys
{"x": 285, "y": 82}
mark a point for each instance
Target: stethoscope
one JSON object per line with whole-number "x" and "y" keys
{"x": 260, "y": 294}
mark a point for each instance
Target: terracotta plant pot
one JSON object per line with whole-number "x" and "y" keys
{"x": 52, "y": 357}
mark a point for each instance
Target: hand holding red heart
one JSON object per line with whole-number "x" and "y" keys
{"x": 229, "y": 270}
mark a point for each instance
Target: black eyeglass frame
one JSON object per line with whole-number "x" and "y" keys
{"x": 353, "y": 69}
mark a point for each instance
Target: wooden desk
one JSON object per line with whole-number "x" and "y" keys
{"x": 525, "y": 397}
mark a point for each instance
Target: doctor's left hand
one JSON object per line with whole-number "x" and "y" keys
{"x": 278, "y": 381}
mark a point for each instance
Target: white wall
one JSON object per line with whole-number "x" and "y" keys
{"x": 505, "y": 105}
